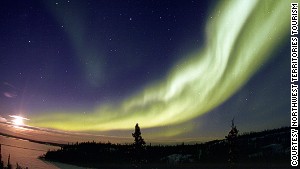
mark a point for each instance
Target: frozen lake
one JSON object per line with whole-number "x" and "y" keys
{"x": 26, "y": 154}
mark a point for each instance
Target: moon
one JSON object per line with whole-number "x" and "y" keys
{"x": 18, "y": 120}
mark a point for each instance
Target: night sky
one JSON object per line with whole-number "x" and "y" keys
{"x": 182, "y": 69}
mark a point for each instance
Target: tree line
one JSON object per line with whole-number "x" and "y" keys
{"x": 268, "y": 146}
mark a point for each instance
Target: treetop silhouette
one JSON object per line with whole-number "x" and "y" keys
{"x": 138, "y": 139}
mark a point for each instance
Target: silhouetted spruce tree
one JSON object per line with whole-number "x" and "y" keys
{"x": 232, "y": 139}
{"x": 1, "y": 162}
{"x": 138, "y": 140}
{"x": 9, "y": 166}
{"x": 138, "y": 146}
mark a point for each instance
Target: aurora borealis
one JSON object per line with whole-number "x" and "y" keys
{"x": 76, "y": 79}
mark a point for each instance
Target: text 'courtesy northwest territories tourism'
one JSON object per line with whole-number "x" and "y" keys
{"x": 294, "y": 85}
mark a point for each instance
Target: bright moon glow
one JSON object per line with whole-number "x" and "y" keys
{"x": 241, "y": 36}
{"x": 17, "y": 120}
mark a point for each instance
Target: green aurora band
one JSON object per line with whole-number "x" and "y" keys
{"x": 240, "y": 37}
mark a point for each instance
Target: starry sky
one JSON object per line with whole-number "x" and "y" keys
{"x": 182, "y": 69}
